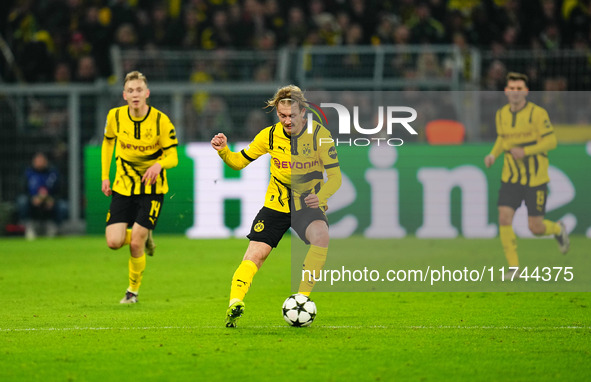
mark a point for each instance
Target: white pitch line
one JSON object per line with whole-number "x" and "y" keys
{"x": 446, "y": 327}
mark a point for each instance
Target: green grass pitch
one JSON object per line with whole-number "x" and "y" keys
{"x": 60, "y": 320}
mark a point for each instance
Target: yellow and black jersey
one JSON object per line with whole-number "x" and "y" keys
{"x": 297, "y": 165}
{"x": 139, "y": 144}
{"x": 531, "y": 129}
{"x": 312, "y": 153}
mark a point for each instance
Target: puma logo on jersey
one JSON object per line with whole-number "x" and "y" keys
{"x": 282, "y": 149}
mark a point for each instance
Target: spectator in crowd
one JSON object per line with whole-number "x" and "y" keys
{"x": 274, "y": 19}
{"x": 424, "y": 28}
{"x": 343, "y": 23}
{"x": 428, "y": 66}
{"x": 40, "y": 207}
{"x": 579, "y": 20}
{"x": 86, "y": 70}
{"x": 297, "y": 26}
{"x": 78, "y": 47}
{"x": 62, "y": 73}
{"x": 263, "y": 73}
{"x": 190, "y": 31}
{"x": 254, "y": 15}
{"x": 126, "y": 36}
{"x": 254, "y": 120}
{"x": 327, "y": 29}
{"x": 266, "y": 41}
{"x": 219, "y": 34}
{"x": 157, "y": 28}
{"x": 550, "y": 37}
{"x": 215, "y": 117}
{"x": 401, "y": 63}
{"x": 385, "y": 30}
{"x": 363, "y": 14}
{"x": 354, "y": 63}
{"x": 239, "y": 25}
{"x": 95, "y": 27}
{"x": 495, "y": 76}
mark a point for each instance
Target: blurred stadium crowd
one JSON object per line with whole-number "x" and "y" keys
{"x": 69, "y": 40}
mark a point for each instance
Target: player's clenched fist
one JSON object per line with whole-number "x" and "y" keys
{"x": 219, "y": 141}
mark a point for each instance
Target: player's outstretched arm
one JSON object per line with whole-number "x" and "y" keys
{"x": 236, "y": 161}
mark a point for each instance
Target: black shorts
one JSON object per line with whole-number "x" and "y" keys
{"x": 269, "y": 225}
{"x": 141, "y": 209}
{"x": 511, "y": 195}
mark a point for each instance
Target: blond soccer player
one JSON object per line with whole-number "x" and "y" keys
{"x": 146, "y": 146}
{"x": 297, "y": 194}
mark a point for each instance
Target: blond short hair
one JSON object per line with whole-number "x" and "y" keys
{"x": 135, "y": 75}
{"x": 287, "y": 94}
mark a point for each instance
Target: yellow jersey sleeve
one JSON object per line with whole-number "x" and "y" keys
{"x": 238, "y": 160}
{"x": 169, "y": 143}
{"x": 498, "y": 147}
{"x": 258, "y": 147}
{"x": 168, "y": 137}
{"x": 110, "y": 125}
{"x": 108, "y": 145}
{"x": 545, "y": 131}
{"x": 329, "y": 157}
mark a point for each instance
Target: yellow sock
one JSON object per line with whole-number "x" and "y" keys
{"x": 552, "y": 228}
{"x": 313, "y": 264}
{"x": 509, "y": 242}
{"x": 136, "y": 272}
{"x": 242, "y": 279}
{"x": 127, "y": 236}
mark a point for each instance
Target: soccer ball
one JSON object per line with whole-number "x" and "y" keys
{"x": 299, "y": 310}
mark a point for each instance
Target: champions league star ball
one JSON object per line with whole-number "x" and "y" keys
{"x": 299, "y": 310}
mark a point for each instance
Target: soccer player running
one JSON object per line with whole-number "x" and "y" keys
{"x": 525, "y": 135}
{"x": 146, "y": 147}
{"x": 296, "y": 196}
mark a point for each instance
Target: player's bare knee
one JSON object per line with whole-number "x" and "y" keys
{"x": 257, "y": 259}
{"x": 137, "y": 246}
{"x": 505, "y": 219}
{"x": 319, "y": 238}
{"x": 537, "y": 229}
{"x": 257, "y": 252}
{"x": 115, "y": 243}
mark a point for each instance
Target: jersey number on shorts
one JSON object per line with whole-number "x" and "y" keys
{"x": 155, "y": 210}
{"x": 540, "y": 196}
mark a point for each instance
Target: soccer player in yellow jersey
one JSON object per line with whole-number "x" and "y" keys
{"x": 146, "y": 142}
{"x": 524, "y": 135}
{"x": 297, "y": 193}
